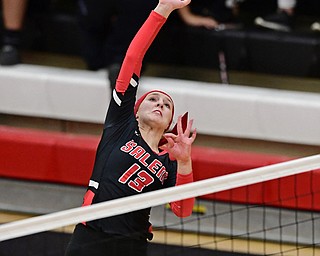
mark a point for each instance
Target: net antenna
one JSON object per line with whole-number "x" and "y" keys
{"x": 127, "y": 204}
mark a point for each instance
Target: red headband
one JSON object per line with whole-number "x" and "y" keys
{"x": 139, "y": 101}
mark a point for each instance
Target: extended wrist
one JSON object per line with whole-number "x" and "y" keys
{"x": 185, "y": 166}
{"x": 186, "y": 161}
{"x": 163, "y": 9}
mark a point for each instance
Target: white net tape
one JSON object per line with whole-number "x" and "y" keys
{"x": 123, "y": 205}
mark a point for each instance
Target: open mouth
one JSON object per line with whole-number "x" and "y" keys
{"x": 157, "y": 112}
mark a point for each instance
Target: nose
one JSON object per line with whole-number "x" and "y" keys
{"x": 160, "y": 104}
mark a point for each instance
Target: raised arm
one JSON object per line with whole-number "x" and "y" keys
{"x": 143, "y": 39}
{"x": 165, "y": 7}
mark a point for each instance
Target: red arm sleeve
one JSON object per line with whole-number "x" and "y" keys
{"x": 137, "y": 49}
{"x": 183, "y": 208}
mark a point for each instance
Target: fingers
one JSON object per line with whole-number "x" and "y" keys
{"x": 170, "y": 143}
{"x": 170, "y": 135}
{"x": 175, "y": 4}
{"x": 189, "y": 126}
{"x": 194, "y": 135}
{"x": 179, "y": 125}
{"x": 180, "y": 130}
{"x": 186, "y": 2}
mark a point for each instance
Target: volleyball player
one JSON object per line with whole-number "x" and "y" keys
{"x": 130, "y": 158}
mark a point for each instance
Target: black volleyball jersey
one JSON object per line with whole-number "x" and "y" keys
{"x": 125, "y": 165}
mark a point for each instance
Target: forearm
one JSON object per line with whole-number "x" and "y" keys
{"x": 143, "y": 39}
{"x": 185, "y": 14}
{"x": 196, "y": 20}
{"x": 137, "y": 50}
{"x": 184, "y": 207}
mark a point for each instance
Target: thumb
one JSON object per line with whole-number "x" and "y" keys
{"x": 170, "y": 142}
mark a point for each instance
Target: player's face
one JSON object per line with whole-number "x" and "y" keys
{"x": 156, "y": 107}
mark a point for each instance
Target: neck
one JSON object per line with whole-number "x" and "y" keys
{"x": 152, "y": 137}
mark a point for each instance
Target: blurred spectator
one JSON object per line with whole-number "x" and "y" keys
{"x": 13, "y": 12}
{"x": 283, "y": 18}
{"x": 107, "y": 27}
{"x": 211, "y": 14}
{"x": 222, "y": 14}
{"x": 196, "y": 20}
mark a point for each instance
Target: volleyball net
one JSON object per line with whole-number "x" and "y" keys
{"x": 270, "y": 210}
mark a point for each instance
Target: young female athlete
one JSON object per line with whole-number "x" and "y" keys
{"x": 130, "y": 158}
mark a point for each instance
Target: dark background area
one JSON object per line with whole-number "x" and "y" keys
{"x": 52, "y": 26}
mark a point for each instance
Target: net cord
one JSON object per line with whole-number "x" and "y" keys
{"x": 131, "y": 203}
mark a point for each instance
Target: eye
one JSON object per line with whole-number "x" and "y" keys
{"x": 152, "y": 99}
{"x": 167, "y": 105}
